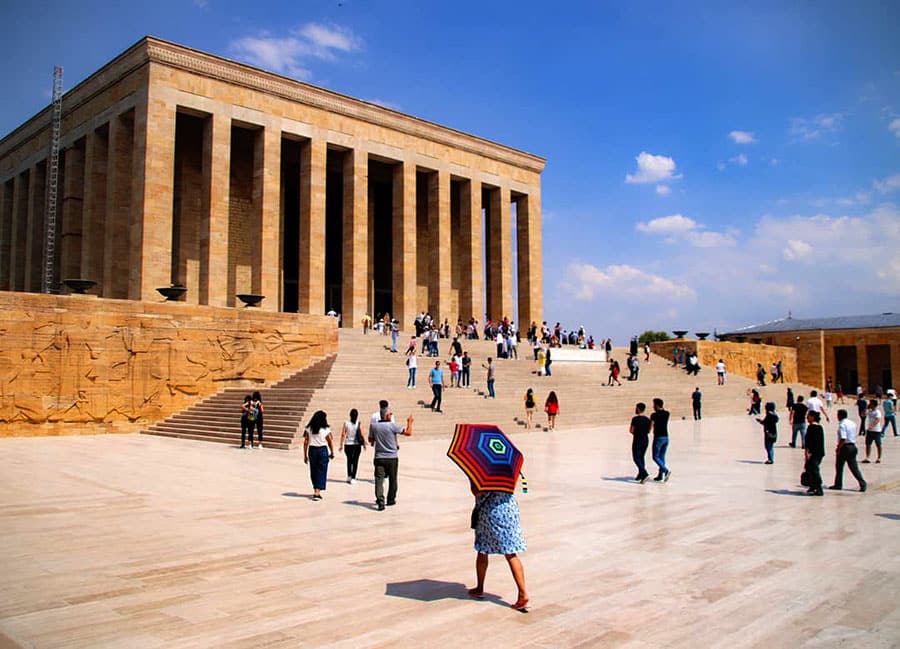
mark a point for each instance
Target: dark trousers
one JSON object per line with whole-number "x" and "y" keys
{"x": 465, "y": 375}
{"x": 638, "y": 451}
{"x": 352, "y": 452}
{"x": 246, "y": 430}
{"x": 813, "y": 474}
{"x": 318, "y": 466}
{"x": 847, "y": 455}
{"x": 697, "y": 411}
{"x": 437, "y": 390}
{"x": 259, "y": 430}
{"x": 386, "y": 467}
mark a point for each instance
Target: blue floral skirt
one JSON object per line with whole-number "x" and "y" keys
{"x": 497, "y": 530}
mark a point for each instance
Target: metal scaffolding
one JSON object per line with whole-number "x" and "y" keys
{"x": 50, "y": 282}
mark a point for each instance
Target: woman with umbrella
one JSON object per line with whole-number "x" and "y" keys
{"x": 492, "y": 463}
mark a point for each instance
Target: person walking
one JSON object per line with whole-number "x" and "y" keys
{"x": 412, "y": 363}
{"x": 383, "y": 438}
{"x": 755, "y": 402}
{"x": 890, "y": 415}
{"x": 495, "y": 520}
{"x": 696, "y": 397}
{"x": 551, "y": 407}
{"x": 490, "y": 377}
{"x": 815, "y": 452}
{"x": 395, "y": 334}
{"x": 874, "y": 430}
{"x": 640, "y": 440}
{"x": 770, "y": 431}
{"x": 466, "y": 372}
{"x": 798, "y": 421}
{"x": 246, "y": 424}
{"x": 846, "y": 452}
{"x": 437, "y": 386}
{"x": 317, "y": 451}
{"x": 352, "y": 444}
{"x": 540, "y": 361}
{"x": 529, "y": 408}
{"x": 257, "y": 410}
{"x": 720, "y": 372}
{"x": 815, "y": 404}
{"x": 660, "y": 425}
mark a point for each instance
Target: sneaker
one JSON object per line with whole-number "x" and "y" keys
{"x": 769, "y": 462}
{"x": 644, "y": 479}
{"x": 866, "y": 462}
{"x": 381, "y": 507}
{"x": 658, "y": 478}
{"x": 877, "y": 461}
{"x": 349, "y": 480}
{"x": 834, "y": 487}
{"x": 863, "y": 487}
{"x": 667, "y": 476}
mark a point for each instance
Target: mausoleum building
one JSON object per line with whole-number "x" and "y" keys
{"x": 179, "y": 167}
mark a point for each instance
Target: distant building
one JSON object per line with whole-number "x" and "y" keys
{"x": 852, "y": 350}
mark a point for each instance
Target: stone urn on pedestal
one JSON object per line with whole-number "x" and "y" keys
{"x": 173, "y": 292}
{"x": 250, "y": 299}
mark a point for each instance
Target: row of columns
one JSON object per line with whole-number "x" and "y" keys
{"x": 117, "y": 224}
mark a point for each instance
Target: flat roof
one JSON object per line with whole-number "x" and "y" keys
{"x": 810, "y": 324}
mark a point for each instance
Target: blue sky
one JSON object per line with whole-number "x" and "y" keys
{"x": 708, "y": 165}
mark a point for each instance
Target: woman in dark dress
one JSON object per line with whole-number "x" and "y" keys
{"x": 815, "y": 452}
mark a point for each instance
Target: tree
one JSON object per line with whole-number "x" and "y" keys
{"x": 650, "y": 336}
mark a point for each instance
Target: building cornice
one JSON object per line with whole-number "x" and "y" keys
{"x": 160, "y": 52}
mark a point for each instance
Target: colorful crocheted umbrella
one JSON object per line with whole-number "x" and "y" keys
{"x": 487, "y": 456}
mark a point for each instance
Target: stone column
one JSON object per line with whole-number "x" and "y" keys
{"x": 267, "y": 195}
{"x": 119, "y": 210}
{"x": 214, "y": 226}
{"x": 528, "y": 247}
{"x": 35, "y": 230}
{"x": 500, "y": 255}
{"x": 6, "y": 214}
{"x": 403, "y": 236}
{"x": 312, "y": 226}
{"x": 355, "y": 287}
{"x": 17, "y": 233}
{"x": 72, "y": 195}
{"x": 471, "y": 294}
{"x": 93, "y": 215}
{"x": 154, "y": 171}
{"x": 439, "y": 271}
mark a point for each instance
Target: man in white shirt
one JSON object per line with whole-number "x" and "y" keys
{"x": 874, "y": 431}
{"x": 720, "y": 372}
{"x": 846, "y": 452}
{"x": 814, "y": 404}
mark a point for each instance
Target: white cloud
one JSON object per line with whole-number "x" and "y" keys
{"x": 663, "y": 190}
{"x": 796, "y": 249}
{"x": 894, "y": 126}
{"x": 774, "y": 162}
{"x": 667, "y": 225}
{"x": 586, "y": 281}
{"x": 860, "y": 198}
{"x": 807, "y": 129}
{"x": 290, "y": 54}
{"x": 889, "y": 184}
{"x": 742, "y": 137}
{"x": 678, "y": 227}
{"x": 652, "y": 169}
{"x": 740, "y": 160}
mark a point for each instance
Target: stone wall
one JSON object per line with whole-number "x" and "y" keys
{"x": 78, "y": 364}
{"x": 740, "y": 358}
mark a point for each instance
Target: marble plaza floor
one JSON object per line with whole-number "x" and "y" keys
{"x": 137, "y": 541}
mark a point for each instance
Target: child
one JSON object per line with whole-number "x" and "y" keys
{"x": 770, "y": 430}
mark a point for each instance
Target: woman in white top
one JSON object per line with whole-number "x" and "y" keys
{"x": 317, "y": 450}
{"x": 352, "y": 443}
{"x": 411, "y": 364}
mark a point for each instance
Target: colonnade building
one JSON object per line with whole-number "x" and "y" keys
{"x": 179, "y": 167}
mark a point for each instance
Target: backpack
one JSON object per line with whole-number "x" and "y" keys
{"x": 529, "y": 402}
{"x": 253, "y": 413}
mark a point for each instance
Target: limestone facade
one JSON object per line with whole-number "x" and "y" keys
{"x": 740, "y": 358}
{"x": 181, "y": 167}
{"x": 75, "y": 364}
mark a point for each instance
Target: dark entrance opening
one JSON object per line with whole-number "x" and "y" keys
{"x": 290, "y": 224}
{"x": 334, "y": 230}
{"x": 879, "y": 362}
{"x": 845, "y": 371}
{"x": 381, "y": 215}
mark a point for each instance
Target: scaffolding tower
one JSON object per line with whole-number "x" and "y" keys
{"x": 50, "y": 283}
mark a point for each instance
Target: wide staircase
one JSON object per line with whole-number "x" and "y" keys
{"x": 365, "y": 371}
{"x": 217, "y": 418}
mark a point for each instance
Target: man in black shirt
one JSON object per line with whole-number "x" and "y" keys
{"x": 815, "y": 452}
{"x": 640, "y": 430}
{"x": 660, "y": 421}
{"x": 798, "y": 422}
{"x": 696, "y": 396}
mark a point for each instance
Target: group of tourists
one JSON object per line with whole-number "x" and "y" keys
{"x": 551, "y": 407}
{"x": 776, "y": 373}
{"x": 558, "y": 336}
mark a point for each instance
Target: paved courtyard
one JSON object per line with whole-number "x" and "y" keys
{"x": 136, "y": 541}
